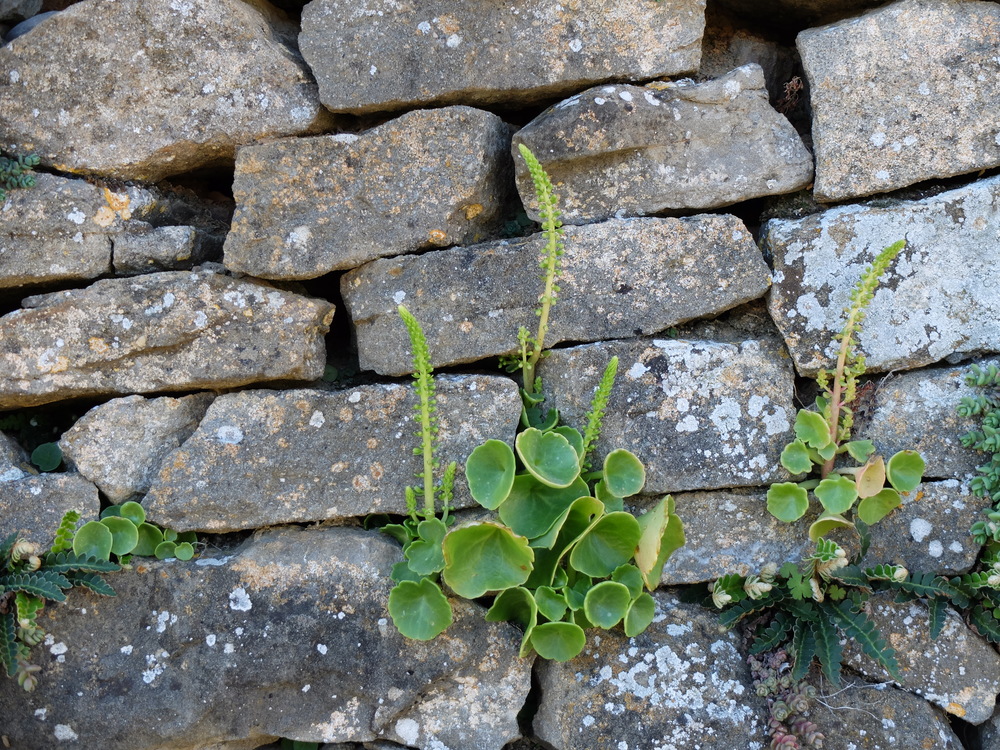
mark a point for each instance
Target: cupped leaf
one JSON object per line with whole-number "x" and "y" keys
{"x": 551, "y": 603}
{"x": 787, "y": 502}
{"x": 870, "y": 479}
{"x": 169, "y": 535}
{"x": 419, "y": 609}
{"x": 94, "y": 539}
{"x": 874, "y": 509}
{"x": 837, "y": 494}
{"x": 812, "y": 429}
{"x": 624, "y": 474}
{"x": 490, "y": 473}
{"x": 184, "y": 551}
{"x": 640, "y": 615}
{"x": 607, "y": 603}
{"x": 112, "y": 511}
{"x": 905, "y": 470}
{"x": 548, "y": 456}
{"x": 558, "y": 641}
{"x": 661, "y": 534}
{"x": 573, "y": 436}
{"x": 610, "y": 542}
{"x": 148, "y": 538}
{"x": 424, "y": 554}
{"x": 165, "y": 550}
{"x": 795, "y": 457}
{"x": 187, "y": 536}
{"x": 532, "y": 507}
{"x": 611, "y": 501}
{"x": 485, "y": 557}
{"x": 401, "y": 572}
{"x": 400, "y": 532}
{"x": 516, "y": 605}
{"x": 825, "y": 524}
{"x": 631, "y": 576}
{"x": 860, "y": 450}
{"x": 47, "y": 456}
{"x": 125, "y": 535}
{"x": 133, "y": 512}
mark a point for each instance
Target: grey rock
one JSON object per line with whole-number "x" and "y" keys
{"x": 18, "y": 10}
{"x": 726, "y": 46}
{"x": 678, "y": 684}
{"x": 959, "y": 672}
{"x": 152, "y": 249}
{"x": 261, "y": 458}
{"x": 798, "y": 12}
{"x": 34, "y": 505}
{"x": 178, "y": 88}
{"x": 698, "y": 414}
{"x": 120, "y": 445}
{"x": 167, "y": 331}
{"x": 308, "y": 206}
{"x": 287, "y": 636}
{"x": 629, "y": 150}
{"x": 936, "y": 299}
{"x": 883, "y": 121}
{"x": 13, "y": 459}
{"x": 388, "y": 56}
{"x": 619, "y": 278}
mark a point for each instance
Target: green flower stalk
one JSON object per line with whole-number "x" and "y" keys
{"x": 426, "y": 408}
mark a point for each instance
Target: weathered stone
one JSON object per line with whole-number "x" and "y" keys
{"x": 165, "y": 331}
{"x": 159, "y": 249}
{"x": 619, "y": 278}
{"x": 936, "y": 299}
{"x": 261, "y": 458}
{"x": 388, "y": 56}
{"x": 18, "y": 10}
{"x": 181, "y": 85}
{"x": 13, "y": 459}
{"x": 727, "y": 46}
{"x": 919, "y": 411}
{"x": 308, "y": 206}
{"x": 678, "y": 684}
{"x": 34, "y": 504}
{"x": 699, "y": 414}
{"x": 797, "y": 12}
{"x": 960, "y": 671}
{"x": 294, "y": 623}
{"x": 902, "y": 94}
{"x": 120, "y": 445}
{"x": 630, "y": 150}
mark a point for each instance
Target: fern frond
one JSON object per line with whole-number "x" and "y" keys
{"x": 39, "y": 583}
{"x": 852, "y": 575}
{"x": 985, "y": 623}
{"x": 863, "y": 632}
{"x": 829, "y": 652}
{"x": 735, "y": 613}
{"x": 65, "y": 562}
{"x": 93, "y": 582}
{"x": 598, "y": 406}
{"x": 773, "y": 635}
{"x": 803, "y": 649}
{"x": 28, "y": 608}
{"x": 9, "y": 650}
{"x": 937, "y": 611}
{"x": 65, "y": 532}
{"x": 5, "y": 548}
{"x": 924, "y": 585}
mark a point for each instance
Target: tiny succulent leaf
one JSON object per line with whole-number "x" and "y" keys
{"x": 485, "y": 557}
{"x": 795, "y": 457}
{"x": 558, "y": 641}
{"x": 490, "y": 473}
{"x": 640, "y": 615}
{"x": 548, "y": 456}
{"x": 419, "y": 609}
{"x": 607, "y": 603}
{"x": 624, "y": 474}
{"x": 825, "y": 524}
{"x": 551, "y": 603}
{"x": 905, "y": 470}
{"x": 870, "y": 479}
{"x": 47, "y": 456}
{"x": 93, "y": 539}
{"x": 124, "y": 535}
{"x": 873, "y": 509}
{"x": 165, "y": 550}
{"x": 133, "y": 512}
{"x": 860, "y": 450}
{"x": 836, "y": 493}
{"x": 610, "y": 542}
{"x": 787, "y": 502}
{"x": 812, "y": 429}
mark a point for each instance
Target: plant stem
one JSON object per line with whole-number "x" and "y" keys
{"x": 838, "y": 383}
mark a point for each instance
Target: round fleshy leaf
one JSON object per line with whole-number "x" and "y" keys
{"x": 516, "y": 605}
{"x": 610, "y": 542}
{"x": 640, "y": 615}
{"x": 837, "y": 494}
{"x": 905, "y": 470}
{"x": 184, "y": 551}
{"x": 611, "y": 502}
{"x": 133, "y": 512}
{"x": 165, "y": 550}
{"x": 795, "y": 457}
{"x": 825, "y": 524}
{"x": 187, "y": 536}
{"x": 490, "y": 473}
{"x": 624, "y": 474}
{"x": 401, "y": 572}
{"x": 47, "y": 456}
{"x": 631, "y": 576}
{"x": 112, "y": 511}
{"x": 870, "y": 479}
{"x": 93, "y": 539}
{"x": 812, "y": 429}
{"x": 874, "y": 509}
{"x": 149, "y": 538}
{"x": 548, "y": 456}
{"x": 558, "y": 641}
{"x": 532, "y": 507}
{"x": 419, "y": 609}
{"x": 787, "y": 502}
{"x": 550, "y": 603}
{"x": 607, "y": 603}
{"x": 485, "y": 557}
{"x": 573, "y": 436}
{"x": 860, "y": 450}
{"x": 424, "y": 558}
{"x": 169, "y": 535}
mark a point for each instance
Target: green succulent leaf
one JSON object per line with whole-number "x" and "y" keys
{"x": 400, "y": 532}
{"x": 424, "y": 553}
{"x": 133, "y": 512}
{"x": 870, "y": 479}
{"x": 837, "y": 494}
{"x": 860, "y": 450}
{"x": 94, "y": 539}
{"x": 47, "y": 456}
{"x": 905, "y": 470}
{"x": 516, "y": 605}
{"x": 874, "y": 509}
{"x": 401, "y": 572}
{"x": 485, "y": 557}
{"x": 624, "y": 474}
{"x": 610, "y": 542}
{"x": 490, "y": 473}
{"x": 661, "y": 534}
{"x": 640, "y": 615}
{"x": 550, "y": 603}
{"x": 165, "y": 550}
{"x": 631, "y": 576}
{"x": 149, "y": 537}
{"x": 112, "y": 511}
{"x": 786, "y": 501}
{"x": 573, "y": 436}
{"x": 548, "y": 456}
{"x": 169, "y": 535}
{"x": 558, "y": 641}
{"x": 827, "y": 523}
{"x": 124, "y": 534}
{"x": 795, "y": 458}
{"x": 812, "y": 429}
{"x": 532, "y": 508}
{"x": 184, "y": 551}
{"x": 607, "y": 603}
{"x": 611, "y": 501}
{"x": 419, "y": 609}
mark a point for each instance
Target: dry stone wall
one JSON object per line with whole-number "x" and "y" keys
{"x": 198, "y": 302}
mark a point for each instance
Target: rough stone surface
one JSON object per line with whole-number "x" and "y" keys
{"x": 918, "y": 411}
{"x": 937, "y": 299}
{"x": 930, "y": 531}
{"x": 681, "y": 683}
{"x": 698, "y": 414}
{"x": 726, "y": 46}
{"x": 34, "y": 505}
{"x": 294, "y": 619}
{"x": 630, "y": 150}
{"x": 623, "y": 277}
{"x": 165, "y": 331}
{"x": 960, "y": 671}
{"x": 308, "y": 206}
{"x": 903, "y": 94}
{"x": 799, "y": 12}
{"x": 120, "y": 445}
{"x": 18, "y": 10}
{"x": 180, "y": 85}
{"x": 388, "y": 56}
{"x": 159, "y": 249}
{"x": 13, "y": 459}
{"x": 260, "y": 458}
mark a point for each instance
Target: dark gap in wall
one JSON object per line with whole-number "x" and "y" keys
{"x": 212, "y": 184}
{"x": 35, "y": 425}
{"x": 970, "y": 735}
{"x": 526, "y": 716}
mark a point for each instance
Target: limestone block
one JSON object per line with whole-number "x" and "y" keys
{"x": 34, "y": 504}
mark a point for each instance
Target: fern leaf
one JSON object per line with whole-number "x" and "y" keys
{"x": 41, "y": 583}
{"x": 924, "y": 585}
{"x": 748, "y": 606}
{"x": 828, "y": 649}
{"x": 803, "y": 648}
{"x": 27, "y": 609}
{"x": 65, "y": 532}
{"x": 65, "y": 562}
{"x": 985, "y": 624}
{"x": 773, "y": 635}
{"x": 864, "y": 537}
{"x": 938, "y": 609}
{"x": 852, "y": 575}
{"x": 863, "y": 632}
{"x": 6, "y": 546}
{"x": 8, "y": 643}
{"x": 93, "y": 582}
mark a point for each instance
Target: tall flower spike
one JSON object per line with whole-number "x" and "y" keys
{"x": 425, "y": 391}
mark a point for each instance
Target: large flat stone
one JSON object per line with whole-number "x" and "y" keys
{"x": 287, "y": 636}
{"x": 34, "y": 504}
{"x": 698, "y": 414}
{"x": 160, "y": 332}
{"x": 937, "y": 299}
{"x": 261, "y": 458}
{"x": 390, "y": 56}
{"x": 308, "y": 206}
{"x": 619, "y": 278}
{"x": 179, "y": 85}
{"x": 631, "y": 151}
{"x": 902, "y": 94}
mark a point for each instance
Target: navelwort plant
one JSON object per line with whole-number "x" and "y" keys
{"x": 564, "y": 555}
{"x": 813, "y": 603}
{"x": 16, "y": 173}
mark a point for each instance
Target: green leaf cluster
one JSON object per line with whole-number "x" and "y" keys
{"x": 986, "y": 407}
{"x": 16, "y": 173}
